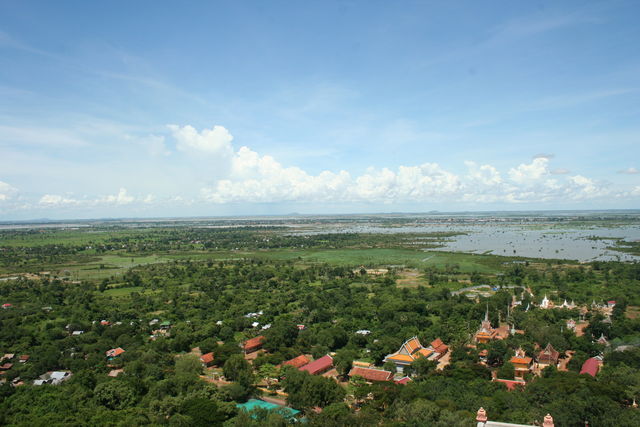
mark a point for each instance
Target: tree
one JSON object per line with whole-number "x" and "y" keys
{"x": 506, "y": 371}
{"x": 238, "y": 369}
{"x": 343, "y": 361}
{"x": 114, "y": 394}
{"x": 202, "y": 412}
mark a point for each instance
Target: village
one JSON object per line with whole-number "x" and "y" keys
{"x": 398, "y": 367}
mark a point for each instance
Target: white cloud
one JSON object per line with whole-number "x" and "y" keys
{"x": 544, "y": 156}
{"x": 54, "y": 200}
{"x": 216, "y": 141}
{"x": 6, "y": 191}
{"x": 246, "y": 176}
{"x": 122, "y": 198}
{"x": 629, "y": 171}
{"x": 529, "y": 173}
{"x": 485, "y": 174}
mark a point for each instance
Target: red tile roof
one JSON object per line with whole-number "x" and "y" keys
{"x": 207, "y": 358}
{"x": 318, "y": 366}
{"x": 591, "y": 366}
{"x": 403, "y": 381}
{"x": 371, "y": 374}
{"x": 298, "y": 362}
{"x": 115, "y": 352}
{"x": 253, "y": 343}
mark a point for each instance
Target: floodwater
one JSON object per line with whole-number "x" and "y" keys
{"x": 539, "y": 241}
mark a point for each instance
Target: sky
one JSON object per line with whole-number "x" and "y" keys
{"x": 203, "y": 108}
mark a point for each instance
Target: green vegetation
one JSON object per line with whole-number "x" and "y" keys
{"x": 158, "y": 293}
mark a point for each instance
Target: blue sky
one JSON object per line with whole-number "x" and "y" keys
{"x": 137, "y": 109}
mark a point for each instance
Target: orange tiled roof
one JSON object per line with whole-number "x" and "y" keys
{"x": 412, "y": 345}
{"x": 401, "y": 358}
{"x": 371, "y": 374}
{"x": 253, "y": 342}
{"x": 520, "y": 360}
{"x": 115, "y": 352}
{"x": 207, "y": 358}
{"x": 298, "y": 362}
{"x": 436, "y": 343}
{"x": 425, "y": 352}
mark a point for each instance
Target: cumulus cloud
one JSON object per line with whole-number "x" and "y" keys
{"x": 215, "y": 141}
{"x": 255, "y": 178}
{"x": 485, "y": 174}
{"x": 6, "y": 191}
{"x": 246, "y": 176}
{"x": 629, "y": 171}
{"x": 53, "y": 200}
{"x": 122, "y": 198}
{"x": 529, "y": 173}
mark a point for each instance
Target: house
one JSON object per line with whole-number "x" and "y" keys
{"x": 6, "y": 305}
{"x": 298, "y": 362}
{"x": 300, "y": 327}
{"x": 24, "y": 358}
{"x": 439, "y": 348}
{"x": 7, "y": 356}
{"x": 483, "y": 421}
{"x": 114, "y": 352}
{"x": 165, "y": 325}
{"x": 6, "y": 366}
{"x": 372, "y": 375}
{"x": 207, "y": 359}
{"x": 253, "y": 344}
{"x": 403, "y": 381}
{"x": 318, "y": 366}
{"x": 591, "y": 366}
{"x": 486, "y": 332}
{"x": 53, "y": 378}
{"x": 76, "y": 333}
{"x": 548, "y": 357}
{"x": 105, "y": 323}
{"x": 521, "y": 364}
{"x": 611, "y": 304}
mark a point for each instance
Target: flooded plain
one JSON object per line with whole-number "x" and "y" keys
{"x": 511, "y": 238}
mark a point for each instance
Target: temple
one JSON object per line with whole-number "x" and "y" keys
{"x": 411, "y": 350}
{"x": 548, "y": 357}
{"x": 486, "y": 332}
{"x": 521, "y": 363}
